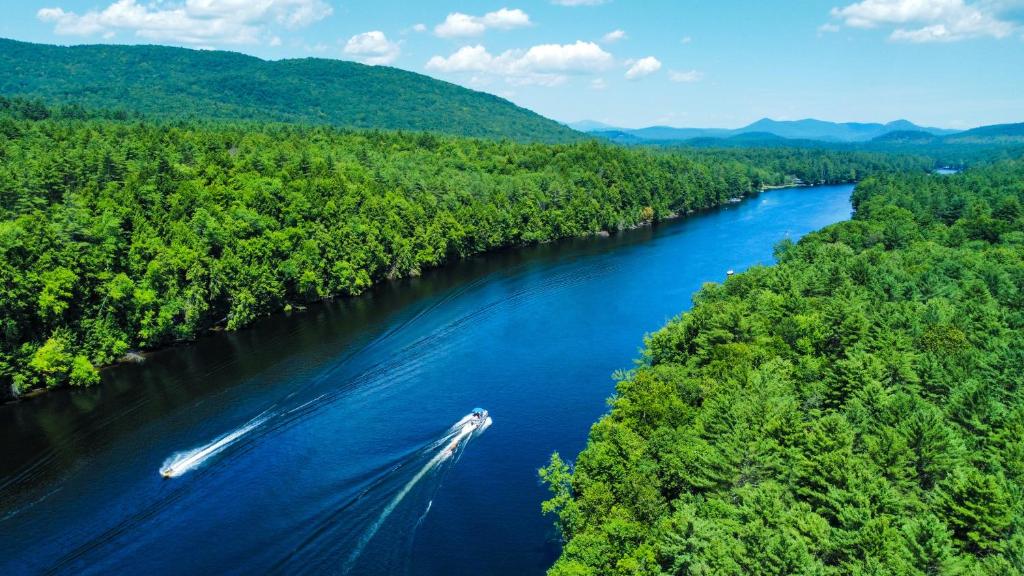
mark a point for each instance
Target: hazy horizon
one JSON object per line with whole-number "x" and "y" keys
{"x": 744, "y": 125}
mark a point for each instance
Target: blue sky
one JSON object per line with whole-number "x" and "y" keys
{"x": 948, "y": 63}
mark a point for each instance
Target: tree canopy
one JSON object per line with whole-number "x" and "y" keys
{"x": 118, "y": 233}
{"x": 857, "y": 408}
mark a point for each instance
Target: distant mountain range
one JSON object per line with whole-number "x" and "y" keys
{"x": 807, "y": 129}
{"x": 1004, "y": 135}
{"x": 165, "y": 82}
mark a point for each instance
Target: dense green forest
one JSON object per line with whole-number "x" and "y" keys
{"x": 175, "y": 83}
{"x": 857, "y": 408}
{"x": 125, "y": 234}
{"x": 812, "y": 165}
{"x": 956, "y": 150}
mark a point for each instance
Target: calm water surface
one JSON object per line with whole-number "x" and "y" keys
{"x": 322, "y": 427}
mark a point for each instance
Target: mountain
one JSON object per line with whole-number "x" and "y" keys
{"x": 807, "y": 129}
{"x": 811, "y": 129}
{"x": 165, "y": 82}
{"x": 997, "y": 133}
{"x": 906, "y": 137}
{"x": 649, "y": 133}
{"x": 621, "y": 137}
{"x": 758, "y": 137}
{"x": 592, "y": 126}
{"x": 669, "y": 133}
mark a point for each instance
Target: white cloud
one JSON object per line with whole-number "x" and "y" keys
{"x": 933, "y": 33}
{"x": 544, "y": 64}
{"x": 505, "y": 19}
{"x": 642, "y": 67}
{"x": 685, "y": 40}
{"x": 458, "y": 25}
{"x": 685, "y": 76}
{"x": 465, "y": 59}
{"x": 926, "y": 20}
{"x": 578, "y": 57}
{"x": 614, "y": 36}
{"x": 598, "y": 84}
{"x": 421, "y": 27}
{"x": 828, "y": 28}
{"x": 70, "y": 23}
{"x": 578, "y": 2}
{"x": 372, "y": 48}
{"x": 199, "y": 22}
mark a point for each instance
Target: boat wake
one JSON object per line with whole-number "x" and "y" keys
{"x": 395, "y": 366}
{"x": 182, "y": 462}
{"x": 469, "y": 426}
{"x": 372, "y": 529}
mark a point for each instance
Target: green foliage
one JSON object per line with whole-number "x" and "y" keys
{"x": 177, "y": 83}
{"x": 856, "y": 408}
{"x": 52, "y": 361}
{"x": 82, "y": 372}
{"x": 782, "y": 165}
{"x": 130, "y": 234}
{"x": 57, "y": 286}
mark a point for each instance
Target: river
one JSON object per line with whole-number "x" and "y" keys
{"x": 301, "y": 440}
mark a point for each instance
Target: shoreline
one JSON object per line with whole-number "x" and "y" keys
{"x": 139, "y": 356}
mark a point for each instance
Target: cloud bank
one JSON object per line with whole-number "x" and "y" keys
{"x": 925, "y": 20}
{"x": 459, "y": 25}
{"x": 372, "y": 48}
{"x": 201, "y": 22}
{"x": 544, "y": 64}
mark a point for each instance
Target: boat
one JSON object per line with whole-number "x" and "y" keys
{"x": 729, "y": 272}
{"x": 476, "y": 420}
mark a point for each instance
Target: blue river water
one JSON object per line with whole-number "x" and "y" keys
{"x": 312, "y": 442}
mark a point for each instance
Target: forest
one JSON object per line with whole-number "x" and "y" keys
{"x": 119, "y": 233}
{"x": 857, "y": 408}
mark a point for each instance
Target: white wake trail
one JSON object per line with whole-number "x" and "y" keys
{"x": 183, "y": 462}
{"x": 465, "y": 428}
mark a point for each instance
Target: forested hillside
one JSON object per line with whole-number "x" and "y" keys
{"x": 116, "y": 235}
{"x": 1007, "y": 133}
{"x": 856, "y": 409}
{"x": 175, "y": 83}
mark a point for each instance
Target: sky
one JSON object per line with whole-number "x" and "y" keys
{"x": 626, "y": 63}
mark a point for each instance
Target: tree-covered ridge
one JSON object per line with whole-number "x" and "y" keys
{"x": 116, "y": 235}
{"x": 174, "y": 83}
{"x": 856, "y": 409}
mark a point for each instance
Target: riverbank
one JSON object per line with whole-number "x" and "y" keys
{"x": 355, "y": 386}
{"x": 647, "y": 217}
{"x": 801, "y": 394}
{"x": 807, "y": 184}
{"x": 139, "y": 356}
{"x": 189, "y": 227}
